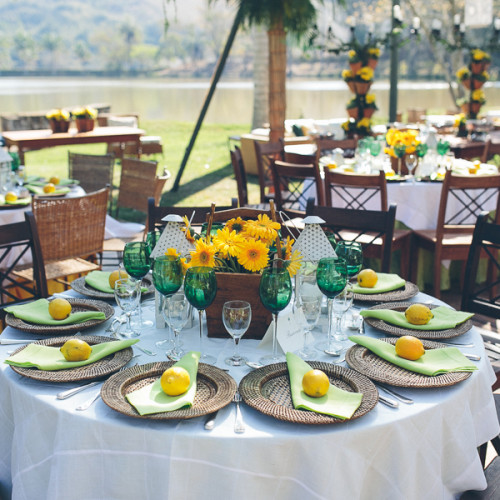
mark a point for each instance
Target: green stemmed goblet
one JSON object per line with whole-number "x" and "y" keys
{"x": 275, "y": 291}
{"x": 137, "y": 264}
{"x": 352, "y": 253}
{"x": 399, "y": 151}
{"x": 331, "y": 277}
{"x": 200, "y": 288}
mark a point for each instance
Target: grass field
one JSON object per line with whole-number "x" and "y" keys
{"x": 208, "y": 175}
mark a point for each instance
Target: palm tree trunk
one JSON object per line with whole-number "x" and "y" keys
{"x": 277, "y": 81}
{"x": 260, "y": 79}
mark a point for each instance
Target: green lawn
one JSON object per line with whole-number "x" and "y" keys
{"x": 208, "y": 175}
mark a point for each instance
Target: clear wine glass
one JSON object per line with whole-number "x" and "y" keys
{"x": 236, "y": 316}
{"x": 411, "y": 163}
{"x": 137, "y": 263}
{"x": 200, "y": 287}
{"x": 340, "y": 305}
{"x": 178, "y": 310}
{"x": 128, "y": 295}
{"x": 311, "y": 308}
{"x": 275, "y": 291}
{"x": 332, "y": 279}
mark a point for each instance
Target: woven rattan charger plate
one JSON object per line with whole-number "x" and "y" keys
{"x": 80, "y": 286}
{"x": 78, "y": 305}
{"x": 102, "y": 368}
{"x": 267, "y": 389}
{"x": 12, "y": 206}
{"x": 361, "y": 359}
{"x": 421, "y": 334}
{"x": 215, "y": 389}
{"x": 409, "y": 291}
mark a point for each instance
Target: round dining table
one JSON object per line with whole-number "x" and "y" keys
{"x": 424, "y": 450}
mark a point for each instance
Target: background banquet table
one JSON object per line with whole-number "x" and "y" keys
{"x": 424, "y": 450}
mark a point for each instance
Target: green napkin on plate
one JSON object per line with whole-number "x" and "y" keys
{"x": 38, "y": 312}
{"x": 152, "y": 399}
{"x": 444, "y": 318}
{"x": 19, "y": 201}
{"x": 385, "y": 283}
{"x": 433, "y": 362}
{"x": 62, "y": 182}
{"x": 50, "y": 358}
{"x": 336, "y": 402}
{"x": 39, "y": 190}
{"x": 100, "y": 281}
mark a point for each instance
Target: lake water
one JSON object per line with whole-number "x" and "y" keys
{"x": 159, "y": 99}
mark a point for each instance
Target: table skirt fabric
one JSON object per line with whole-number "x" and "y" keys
{"x": 422, "y": 451}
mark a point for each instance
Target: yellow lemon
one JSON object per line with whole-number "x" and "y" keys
{"x": 116, "y": 275}
{"x": 59, "y": 308}
{"x": 409, "y": 347}
{"x": 175, "y": 381}
{"x": 418, "y": 314}
{"x": 349, "y": 169}
{"x": 54, "y": 180}
{"x": 390, "y": 173}
{"x": 76, "y": 350}
{"x": 315, "y": 383}
{"x": 367, "y": 278}
{"x": 331, "y": 166}
{"x": 10, "y": 197}
{"x": 49, "y": 188}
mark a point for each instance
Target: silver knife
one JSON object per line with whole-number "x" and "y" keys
{"x": 388, "y": 402}
{"x": 492, "y": 347}
{"x": 76, "y": 390}
{"x": 210, "y": 421}
{"x": 398, "y": 396}
{"x": 473, "y": 357}
{"x": 16, "y": 341}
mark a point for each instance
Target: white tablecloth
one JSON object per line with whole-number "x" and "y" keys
{"x": 422, "y": 451}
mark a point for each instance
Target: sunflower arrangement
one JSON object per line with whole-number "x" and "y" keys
{"x": 58, "y": 115}
{"x": 85, "y": 113}
{"x": 397, "y": 138}
{"x": 242, "y": 246}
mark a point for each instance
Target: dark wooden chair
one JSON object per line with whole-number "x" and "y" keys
{"x": 355, "y": 191}
{"x": 372, "y": 228}
{"x": 299, "y": 179}
{"x": 328, "y": 144}
{"x": 452, "y": 237}
{"x": 490, "y": 150}
{"x": 484, "y": 298}
{"x": 264, "y": 153}
{"x": 19, "y": 241}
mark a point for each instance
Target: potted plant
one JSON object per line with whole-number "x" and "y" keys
{"x": 355, "y": 61}
{"x": 59, "y": 120}
{"x": 363, "y": 127}
{"x": 348, "y": 77}
{"x": 480, "y": 61}
{"x": 349, "y": 127}
{"x": 84, "y": 118}
{"x": 461, "y": 125}
{"x": 369, "y": 106}
{"x": 352, "y": 108}
{"x": 463, "y": 76}
{"x": 373, "y": 54}
{"x": 471, "y": 107}
{"x": 363, "y": 80}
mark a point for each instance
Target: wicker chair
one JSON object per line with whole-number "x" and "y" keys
{"x": 18, "y": 241}
{"x": 71, "y": 234}
{"x": 93, "y": 171}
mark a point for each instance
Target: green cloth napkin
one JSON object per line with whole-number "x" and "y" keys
{"x": 100, "y": 281}
{"x": 50, "y": 358}
{"x": 39, "y": 190}
{"x": 385, "y": 283}
{"x": 19, "y": 201}
{"x": 336, "y": 402}
{"x": 152, "y": 399}
{"x": 38, "y": 312}
{"x": 62, "y": 182}
{"x": 444, "y": 318}
{"x": 433, "y": 362}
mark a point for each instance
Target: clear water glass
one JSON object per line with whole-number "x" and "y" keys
{"x": 128, "y": 295}
{"x": 177, "y": 310}
{"x": 236, "y": 316}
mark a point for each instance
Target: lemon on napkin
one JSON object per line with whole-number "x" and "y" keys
{"x": 152, "y": 399}
{"x": 62, "y": 182}
{"x": 45, "y": 357}
{"x": 433, "y": 362}
{"x": 38, "y": 312}
{"x": 444, "y": 318}
{"x": 385, "y": 283}
{"x": 337, "y": 402}
{"x": 19, "y": 201}
{"x": 100, "y": 281}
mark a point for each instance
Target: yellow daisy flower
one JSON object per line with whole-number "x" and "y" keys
{"x": 254, "y": 256}
{"x": 263, "y": 227}
{"x": 185, "y": 265}
{"x": 203, "y": 255}
{"x": 287, "y": 251}
{"x": 228, "y": 243}
{"x": 294, "y": 262}
{"x": 237, "y": 224}
{"x": 171, "y": 252}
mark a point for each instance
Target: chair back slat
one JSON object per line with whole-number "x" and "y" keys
{"x": 240, "y": 176}
{"x": 264, "y": 153}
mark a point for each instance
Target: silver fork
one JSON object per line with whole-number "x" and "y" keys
{"x": 239, "y": 427}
